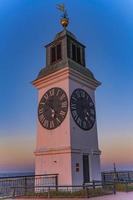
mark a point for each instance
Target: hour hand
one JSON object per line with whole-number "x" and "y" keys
{"x": 87, "y": 115}
{"x": 53, "y": 113}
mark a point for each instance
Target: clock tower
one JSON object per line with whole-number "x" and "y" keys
{"x": 67, "y": 141}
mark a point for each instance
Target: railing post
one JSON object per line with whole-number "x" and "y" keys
{"x": 25, "y": 185}
{"x": 129, "y": 176}
{"x": 114, "y": 187}
{"x": 56, "y": 182}
{"x": 84, "y": 186}
{"x": 13, "y": 193}
{"x": 49, "y": 192}
{"x": 93, "y": 184}
{"x": 126, "y": 184}
{"x": 87, "y": 191}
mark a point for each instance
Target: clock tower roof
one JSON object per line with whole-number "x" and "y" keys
{"x": 63, "y": 33}
{"x": 65, "y": 51}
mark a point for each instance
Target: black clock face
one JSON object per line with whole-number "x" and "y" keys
{"x": 53, "y": 108}
{"x": 82, "y": 109}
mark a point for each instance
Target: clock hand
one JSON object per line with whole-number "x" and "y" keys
{"x": 50, "y": 106}
{"x": 87, "y": 115}
{"x": 86, "y": 118}
{"x": 53, "y": 112}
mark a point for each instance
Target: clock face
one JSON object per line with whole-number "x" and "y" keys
{"x": 82, "y": 109}
{"x": 53, "y": 108}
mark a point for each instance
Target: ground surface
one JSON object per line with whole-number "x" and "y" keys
{"x": 118, "y": 196}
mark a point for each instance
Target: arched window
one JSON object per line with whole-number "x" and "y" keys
{"x": 76, "y": 53}
{"x": 56, "y": 53}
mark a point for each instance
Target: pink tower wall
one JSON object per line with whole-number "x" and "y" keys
{"x": 58, "y": 150}
{"x": 84, "y": 142}
{"x": 53, "y": 152}
{"x": 59, "y": 137}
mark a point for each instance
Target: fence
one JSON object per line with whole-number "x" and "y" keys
{"x": 47, "y": 186}
{"x": 21, "y": 185}
{"x": 95, "y": 188}
{"x": 117, "y": 175}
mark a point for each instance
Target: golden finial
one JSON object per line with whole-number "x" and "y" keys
{"x": 64, "y": 20}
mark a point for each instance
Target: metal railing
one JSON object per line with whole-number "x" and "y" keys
{"x": 47, "y": 186}
{"x": 117, "y": 175}
{"x": 95, "y": 188}
{"x": 21, "y": 185}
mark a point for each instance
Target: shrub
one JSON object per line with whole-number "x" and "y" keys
{"x": 71, "y": 193}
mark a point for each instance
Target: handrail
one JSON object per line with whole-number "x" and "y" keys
{"x": 29, "y": 176}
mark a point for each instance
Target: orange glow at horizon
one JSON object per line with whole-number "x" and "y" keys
{"x": 117, "y": 150}
{"x": 16, "y": 153}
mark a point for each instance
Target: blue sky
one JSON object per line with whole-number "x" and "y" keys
{"x": 106, "y": 28}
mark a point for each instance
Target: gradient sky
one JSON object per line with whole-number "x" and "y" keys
{"x": 106, "y": 28}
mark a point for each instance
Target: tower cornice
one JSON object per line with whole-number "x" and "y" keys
{"x": 64, "y": 73}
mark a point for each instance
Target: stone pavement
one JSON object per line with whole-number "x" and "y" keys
{"x": 118, "y": 196}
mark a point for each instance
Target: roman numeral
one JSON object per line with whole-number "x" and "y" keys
{"x": 46, "y": 123}
{"x": 62, "y": 97}
{"x": 78, "y": 94}
{"x": 51, "y": 124}
{"x": 92, "y": 111}
{"x": 42, "y": 103}
{"x": 73, "y": 106}
{"x": 92, "y": 118}
{"x": 58, "y": 91}
{"x": 62, "y": 113}
{"x": 89, "y": 123}
{"x": 79, "y": 121}
{"x": 82, "y": 93}
{"x": 41, "y": 118}
{"x": 40, "y": 111}
{"x": 84, "y": 125}
{"x": 75, "y": 114}
{"x": 51, "y": 92}
{"x": 58, "y": 120}
{"x": 64, "y": 104}
{"x": 74, "y": 98}
{"x": 46, "y": 96}
{"x": 91, "y": 104}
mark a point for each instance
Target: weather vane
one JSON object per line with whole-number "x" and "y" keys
{"x": 64, "y": 19}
